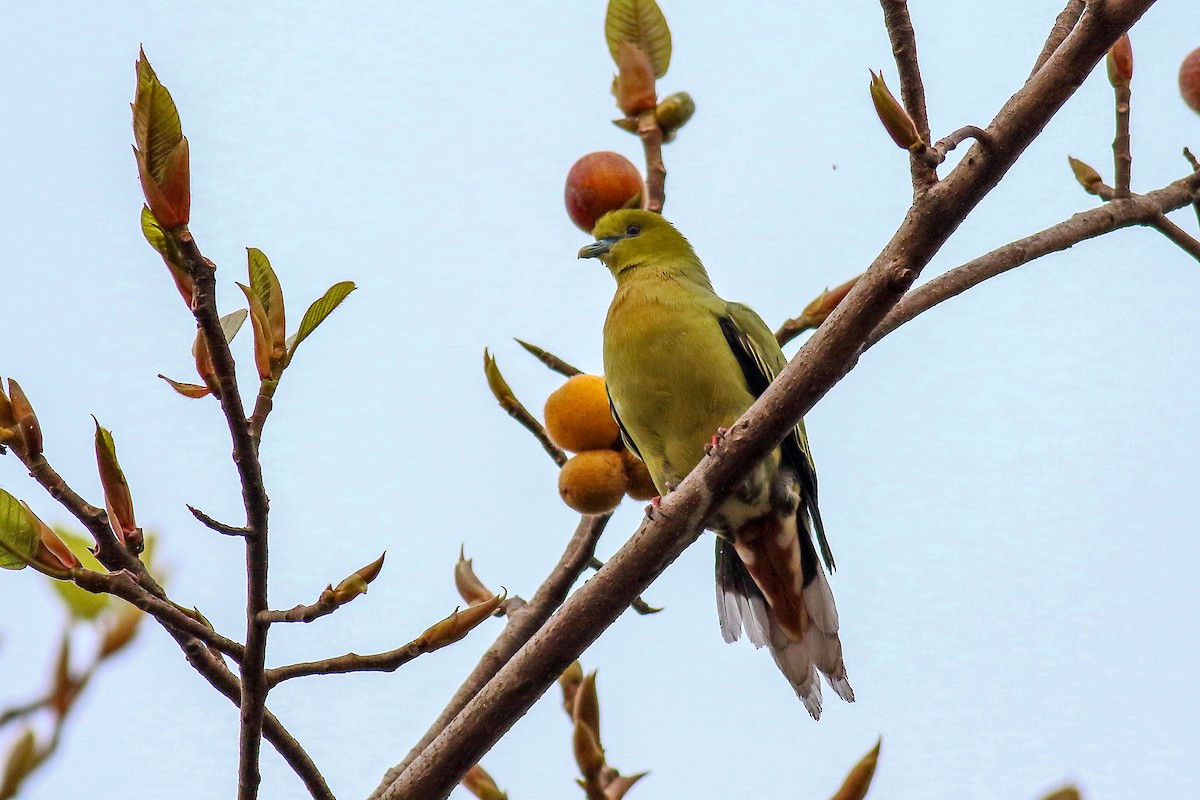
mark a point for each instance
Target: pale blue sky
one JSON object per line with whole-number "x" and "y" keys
{"x": 1009, "y": 483}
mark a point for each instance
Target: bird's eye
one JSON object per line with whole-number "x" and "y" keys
{"x": 633, "y": 230}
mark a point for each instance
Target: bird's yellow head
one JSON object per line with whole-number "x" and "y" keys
{"x": 632, "y": 238}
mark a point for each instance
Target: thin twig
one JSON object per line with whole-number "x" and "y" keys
{"x": 225, "y": 682}
{"x": 1195, "y": 168}
{"x": 125, "y": 585}
{"x": 26, "y": 709}
{"x": 912, "y": 89}
{"x": 522, "y": 625}
{"x": 550, "y": 360}
{"x": 517, "y": 411}
{"x": 1122, "y": 157}
{"x": 350, "y": 662}
{"x": 651, "y": 134}
{"x": 300, "y": 613}
{"x": 219, "y": 527}
{"x": 948, "y": 143}
{"x": 263, "y": 404}
{"x": 1177, "y": 235}
{"x": 1139, "y": 210}
{"x": 824, "y": 360}
{"x": 1067, "y": 19}
{"x": 254, "y": 497}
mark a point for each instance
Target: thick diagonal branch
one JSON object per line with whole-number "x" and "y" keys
{"x": 522, "y": 625}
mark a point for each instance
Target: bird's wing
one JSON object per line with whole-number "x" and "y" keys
{"x": 625, "y": 437}
{"x": 761, "y": 360}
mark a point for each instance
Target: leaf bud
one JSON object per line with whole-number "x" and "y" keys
{"x": 1120, "y": 62}
{"x": 470, "y": 588}
{"x": 895, "y": 119}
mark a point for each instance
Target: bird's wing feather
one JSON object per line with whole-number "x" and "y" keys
{"x": 761, "y": 360}
{"x": 625, "y": 437}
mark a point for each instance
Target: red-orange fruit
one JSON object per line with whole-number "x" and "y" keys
{"x": 598, "y": 183}
{"x": 1189, "y": 80}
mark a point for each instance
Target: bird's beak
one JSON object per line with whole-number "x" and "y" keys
{"x": 598, "y": 247}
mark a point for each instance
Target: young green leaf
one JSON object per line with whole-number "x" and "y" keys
{"x": 160, "y": 149}
{"x": 153, "y": 231}
{"x": 265, "y": 284}
{"x": 500, "y": 389}
{"x": 18, "y": 538}
{"x": 156, "y": 126}
{"x": 117, "y": 499}
{"x": 640, "y": 22}
{"x": 318, "y": 311}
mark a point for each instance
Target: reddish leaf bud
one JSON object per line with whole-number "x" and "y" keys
{"x": 634, "y": 86}
{"x": 27, "y": 422}
{"x": 479, "y": 783}
{"x": 1120, "y": 62}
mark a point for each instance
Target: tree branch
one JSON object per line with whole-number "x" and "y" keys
{"x": 827, "y": 357}
{"x": 651, "y": 135}
{"x": 912, "y": 90}
{"x": 1177, "y": 234}
{"x": 1139, "y": 210}
{"x": 225, "y": 682}
{"x": 219, "y": 527}
{"x": 522, "y": 625}
{"x": 1067, "y": 19}
{"x": 124, "y": 585}
{"x": 254, "y": 497}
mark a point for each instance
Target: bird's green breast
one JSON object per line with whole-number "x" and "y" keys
{"x": 670, "y": 372}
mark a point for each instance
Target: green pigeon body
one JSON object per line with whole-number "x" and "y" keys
{"x": 681, "y": 363}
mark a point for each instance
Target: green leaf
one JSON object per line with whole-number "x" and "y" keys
{"x": 156, "y": 126}
{"x": 318, "y": 311}
{"x": 266, "y": 287}
{"x": 153, "y": 231}
{"x": 232, "y": 322}
{"x": 642, "y": 23}
{"x": 18, "y": 538}
{"x": 81, "y": 604}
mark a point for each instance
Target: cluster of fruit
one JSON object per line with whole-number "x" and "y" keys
{"x": 602, "y": 471}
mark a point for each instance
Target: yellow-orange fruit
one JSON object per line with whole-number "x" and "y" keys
{"x": 593, "y": 482}
{"x": 641, "y": 487}
{"x": 1189, "y": 80}
{"x": 578, "y": 417}
{"x": 599, "y": 183}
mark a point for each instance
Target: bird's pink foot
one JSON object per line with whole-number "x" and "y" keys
{"x": 713, "y": 447}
